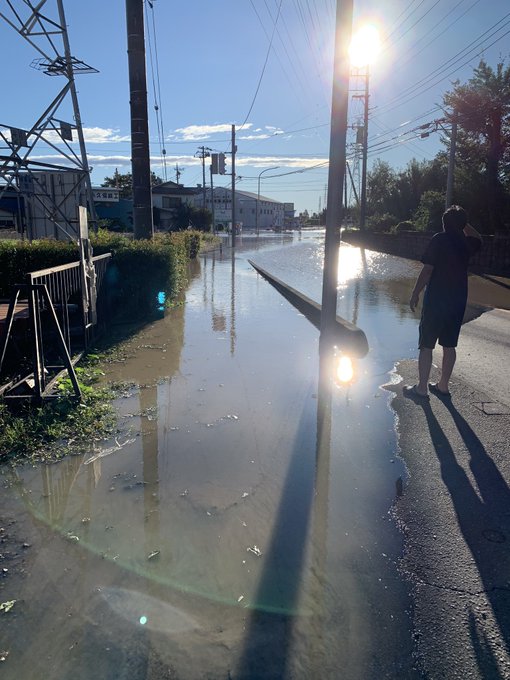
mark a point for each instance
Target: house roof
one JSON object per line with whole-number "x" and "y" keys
{"x": 250, "y": 195}
{"x": 173, "y": 189}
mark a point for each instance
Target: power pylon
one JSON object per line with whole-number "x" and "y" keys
{"x": 43, "y": 26}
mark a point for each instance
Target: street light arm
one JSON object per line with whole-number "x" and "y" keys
{"x": 258, "y": 197}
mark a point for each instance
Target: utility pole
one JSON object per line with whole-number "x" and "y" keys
{"x": 451, "y": 162}
{"x": 337, "y": 157}
{"x": 178, "y": 173}
{"x": 363, "y": 203}
{"x": 234, "y": 149}
{"x": 213, "y": 229}
{"x": 203, "y": 153}
{"x": 140, "y": 159}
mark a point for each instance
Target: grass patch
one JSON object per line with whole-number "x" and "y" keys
{"x": 61, "y": 426}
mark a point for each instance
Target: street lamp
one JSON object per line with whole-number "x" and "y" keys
{"x": 258, "y": 197}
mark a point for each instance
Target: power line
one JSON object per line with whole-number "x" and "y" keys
{"x": 416, "y": 22}
{"x": 158, "y": 107}
{"x": 403, "y": 97}
{"x": 265, "y": 64}
{"x": 414, "y": 54}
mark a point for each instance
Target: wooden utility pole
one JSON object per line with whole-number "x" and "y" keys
{"x": 140, "y": 158}
{"x": 234, "y": 149}
{"x": 203, "y": 153}
{"x": 178, "y": 173}
{"x": 213, "y": 226}
{"x": 451, "y": 162}
{"x": 363, "y": 198}
{"x": 340, "y": 100}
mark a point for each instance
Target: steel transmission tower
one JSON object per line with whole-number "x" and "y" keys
{"x": 42, "y": 24}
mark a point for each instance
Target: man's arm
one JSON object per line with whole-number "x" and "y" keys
{"x": 471, "y": 231}
{"x": 421, "y": 282}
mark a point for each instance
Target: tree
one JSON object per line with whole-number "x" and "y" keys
{"x": 124, "y": 182}
{"x": 482, "y": 107}
{"x": 187, "y": 216}
{"x": 428, "y": 216}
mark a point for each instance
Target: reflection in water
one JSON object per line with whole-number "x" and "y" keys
{"x": 284, "y": 579}
{"x": 219, "y": 456}
{"x": 233, "y": 305}
{"x": 150, "y": 455}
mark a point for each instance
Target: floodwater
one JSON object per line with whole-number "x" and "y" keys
{"x": 239, "y": 523}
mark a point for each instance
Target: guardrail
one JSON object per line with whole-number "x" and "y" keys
{"x": 62, "y": 314}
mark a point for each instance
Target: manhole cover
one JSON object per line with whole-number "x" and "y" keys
{"x": 494, "y": 536}
{"x": 493, "y": 408}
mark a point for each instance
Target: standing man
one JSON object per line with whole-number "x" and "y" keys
{"x": 444, "y": 273}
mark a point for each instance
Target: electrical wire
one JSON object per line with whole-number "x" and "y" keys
{"x": 413, "y": 54}
{"x": 415, "y": 23}
{"x": 264, "y": 67}
{"x": 403, "y": 97}
{"x": 156, "y": 87}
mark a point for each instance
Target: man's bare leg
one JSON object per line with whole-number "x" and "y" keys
{"x": 424, "y": 366}
{"x": 449, "y": 358}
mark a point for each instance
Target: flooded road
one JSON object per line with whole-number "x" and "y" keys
{"x": 238, "y": 525}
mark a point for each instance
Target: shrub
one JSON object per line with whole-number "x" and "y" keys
{"x": 381, "y": 222}
{"x": 430, "y": 211}
{"x": 141, "y": 269}
{"x": 17, "y": 258}
{"x": 138, "y": 271}
{"x": 407, "y": 225}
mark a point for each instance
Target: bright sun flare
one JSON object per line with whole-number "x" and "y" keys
{"x": 365, "y": 46}
{"x": 344, "y": 369}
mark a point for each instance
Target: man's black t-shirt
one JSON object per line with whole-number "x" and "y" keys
{"x": 449, "y": 252}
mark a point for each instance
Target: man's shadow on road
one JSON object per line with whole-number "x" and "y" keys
{"x": 484, "y": 519}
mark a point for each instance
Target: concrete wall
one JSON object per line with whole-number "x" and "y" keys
{"x": 494, "y": 258}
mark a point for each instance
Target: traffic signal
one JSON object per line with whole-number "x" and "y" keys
{"x": 214, "y": 163}
{"x": 221, "y": 164}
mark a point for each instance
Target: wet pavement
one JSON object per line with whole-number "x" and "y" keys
{"x": 239, "y": 523}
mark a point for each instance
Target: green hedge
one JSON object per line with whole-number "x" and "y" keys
{"x": 138, "y": 271}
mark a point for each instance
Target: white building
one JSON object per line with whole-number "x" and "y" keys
{"x": 166, "y": 199}
{"x": 271, "y": 213}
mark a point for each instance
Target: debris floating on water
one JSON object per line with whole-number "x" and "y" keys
{"x": 7, "y": 606}
{"x": 255, "y": 550}
{"x": 154, "y": 554}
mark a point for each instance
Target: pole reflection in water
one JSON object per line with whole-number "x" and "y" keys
{"x": 233, "y": 306}
{"x": 150, "y": 454}
{"x": 290, "y": 599}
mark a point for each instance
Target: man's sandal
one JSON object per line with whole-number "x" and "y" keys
{"x": 433, "y": 387}
{"x": 412, "y": 393}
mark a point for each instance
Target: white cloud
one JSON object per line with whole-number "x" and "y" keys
{"x": 123, "y": 161}
{"x": 261, "y": 136}
{"x": 92, "y": 135}
{"x": 292, "y": 162}
{"x": 194, "y": 133}
{"x": 97, "y": 135}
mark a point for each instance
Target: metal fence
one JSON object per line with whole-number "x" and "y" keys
{"x": 62, "y": 312}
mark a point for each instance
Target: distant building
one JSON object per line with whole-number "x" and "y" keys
{"x": 271, "y": 213}
{"x": 166, "y": 199}
{"x": 290, "y": 221}
{"x": 12, "y": 208}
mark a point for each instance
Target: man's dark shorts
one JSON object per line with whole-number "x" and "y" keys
{"x": 440, "y": 326}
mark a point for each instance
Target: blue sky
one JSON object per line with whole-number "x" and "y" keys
{"x": 211, "y": 57}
